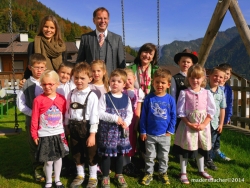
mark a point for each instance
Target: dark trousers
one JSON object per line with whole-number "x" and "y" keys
{"x": 32, "y": 145}
{"x": 79, "y": 133}
{"x": 215, "y": 137}
{"x": 106, "y": 162}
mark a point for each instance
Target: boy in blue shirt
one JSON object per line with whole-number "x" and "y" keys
{"x": 229, "y": 100}
{"x": 157, "y": 123}
{"x": 215, "y": 78}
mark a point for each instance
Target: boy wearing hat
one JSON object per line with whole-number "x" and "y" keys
{"x": 185, "y": 60}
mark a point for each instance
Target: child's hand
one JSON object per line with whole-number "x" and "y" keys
{"x": 124, "y": 125}
{"x": 194, "y": 126}
{"x": 91, "y": 140}
{"x": 220, "y": 128}
{"x": 168, "y": 134}
{"x": 21, "y": 83}
{"x": 36, "y": 141}
{"x": 143, "y": 137}
{"x": 119, "y": 121}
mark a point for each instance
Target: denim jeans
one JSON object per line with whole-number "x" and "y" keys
{"x": 157, "y": 146}
{"x": 215, "y": 137}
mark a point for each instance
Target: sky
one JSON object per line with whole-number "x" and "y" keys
{"x": 183, "y": 20}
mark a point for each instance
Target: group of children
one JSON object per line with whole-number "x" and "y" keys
{"x": 102, "y": 114}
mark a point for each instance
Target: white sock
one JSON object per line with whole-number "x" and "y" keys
{"x": 80, "y": 170}
{"x": 93, "y": 171}
{"x": 200, "y": 162}
{"x": 57, "y": 170}
{"x": 126, "y": 160}
{"x": 183, "y": 163}
{"x": 48, "y": 171}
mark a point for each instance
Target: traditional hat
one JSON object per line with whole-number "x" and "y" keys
{"x": 192, "y": 54}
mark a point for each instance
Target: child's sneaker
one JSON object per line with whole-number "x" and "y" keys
{"x": 223, "y": 156}
{"x": 39, "y": 174}
{"x": 163, "y": 177}
{"x": 77, "y": 182}
{"x": 210, "y": 164}
{"x": 120, "y": 181}
{"x": 147, "y": 179}
{"x": 92, "y": 183}
{"x": 105, "y": 182}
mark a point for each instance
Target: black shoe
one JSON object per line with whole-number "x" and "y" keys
{"x": 210, "y": 164}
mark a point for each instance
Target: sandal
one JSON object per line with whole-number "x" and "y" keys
{"x": 205, "y": 175}
{"x": 47, "y": 184}
{"x": 184, "y": 180}
{"x": 59, "y": 186}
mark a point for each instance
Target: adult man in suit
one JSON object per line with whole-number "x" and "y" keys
{"x": 111, "y": 48}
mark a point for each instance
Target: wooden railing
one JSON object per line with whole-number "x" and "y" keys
{"x": 241, "y": 103}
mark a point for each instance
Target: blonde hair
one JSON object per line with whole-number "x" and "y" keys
{"x": 50, "y": 73}
{"x": 83, "y": 67}
{"x": 196, "y": 71}
{"x": 163, "y": 73}
{"x": 119, "y": 72}
{"x": 128, "y": 70}
{"x": 105, "y": 78}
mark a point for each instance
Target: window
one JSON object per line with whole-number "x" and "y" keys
{"x": 18, "y": 66}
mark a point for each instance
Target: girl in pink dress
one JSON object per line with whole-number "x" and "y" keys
{"x": 136, "y": 96}
{"x": 196, "y": 108}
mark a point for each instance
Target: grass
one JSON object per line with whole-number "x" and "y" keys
{"x": 16, "y": 170}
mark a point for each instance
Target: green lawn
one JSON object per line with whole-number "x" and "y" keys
{"x": 15, "y": 169}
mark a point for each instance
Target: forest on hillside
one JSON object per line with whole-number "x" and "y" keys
{"x": 26, "y": 16}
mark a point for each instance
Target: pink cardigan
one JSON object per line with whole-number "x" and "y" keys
{"x": 40, "y": 105}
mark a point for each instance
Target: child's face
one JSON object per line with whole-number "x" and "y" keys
{"x": 37, "y": 69}
{"x": 130, "y": 81}
{"x": 64, "y": 74}
{"x": 195, "y": 83}
{"x": 98, "y": 73}
{"x": 227, "y": 75}
{"x": 49, "y": 30}
{"x": 160, "y": 85}
{"x": 81, "y": 80}
{"x": 49, "y": 85}
{"x": 116, "y": 84}
{"x": 216, "y": 78}
{"x": 185, "y": 63}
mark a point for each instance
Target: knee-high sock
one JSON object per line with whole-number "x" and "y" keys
{"x": 48, "y": 171}
{"x": 57, "y": 169}
{"x": 200, "y": 162}
{"x": 183, "y": 163}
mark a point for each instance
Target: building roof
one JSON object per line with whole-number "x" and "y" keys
{"x": 18, "y": 48}
{"x": 71, "y": 47}
{"x": 5, "y": 38}
{"x": 174, "y": 69}
{"x": 129, "y": 58}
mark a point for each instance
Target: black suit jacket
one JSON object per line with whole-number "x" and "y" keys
{"x": 114, "y": 54}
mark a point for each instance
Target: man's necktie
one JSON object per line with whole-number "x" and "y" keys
{"x": 101, "y": 39}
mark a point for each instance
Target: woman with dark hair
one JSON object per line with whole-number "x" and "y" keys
{"x": 144, "y": 67}
{"x": 49, "y": 43}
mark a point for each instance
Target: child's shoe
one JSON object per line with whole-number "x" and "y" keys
{"x": 105, "y": 182}
{"x": 210, "y": 164}
{"x": 223, "y": 156}
{"x": 206, "y": 175}
{"x": 39, "y": 174}
{"x": 92, "y": 183}
{"x": 184, "y": 178}
{"x": 164, "y": 178}
{"x": 59, "y": 184}
{"x": 147, "y": 179}
{"x": 77, "y": 182}
{"x": 120, "y": 181}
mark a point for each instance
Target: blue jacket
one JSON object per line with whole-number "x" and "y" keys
{"x": 229, "y": 100}
{"x": 158, "y": 115}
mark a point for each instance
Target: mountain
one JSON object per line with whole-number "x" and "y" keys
{"x": 227, "y": 48}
